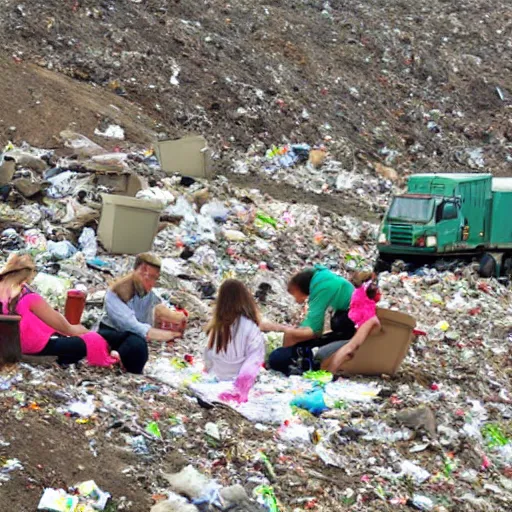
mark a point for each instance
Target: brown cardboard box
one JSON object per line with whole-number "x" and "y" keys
{"x": 126, "y": 184}
{"x": 128, "y": 225}
{"x": 384, "y": 351}
{"x": 189, "y": 156}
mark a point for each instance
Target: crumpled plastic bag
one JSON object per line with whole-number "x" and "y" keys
{"x": 88, "y": 243}
{"x": 156, "y": 194}
{"x": 78, "y": 215}
{"x": 182, "y": 209}
{"x": 216, "y": 210}
{"x": 35, "y": 240}
{"x": 62, "y": 250}
{"x": 66, "y": 183}
{"x": 81, "y": 144}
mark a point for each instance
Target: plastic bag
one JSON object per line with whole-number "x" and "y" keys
{"x": 62, "y": 250}
{"x": 266, "y": 496}
{"x": 182, "y": 209}
{"x": 233, "y": 235}
{"x": 88, "y": 243}
{"x": 78, "y": 215}
{"x": 312, "y": 402}
{"x": 112, "y": 131}
{"x": 295, "y": 433}
{"x": 62, "y": 184}
{"x": 263, "y": 219}
{"x": 216, "y": 210}
{"x": 417, "y": 474}
{"x": 205, "y": 257}
{"x": 57, "y": 500}
{"x": 35, "y": 240}
{"x": 80, "y": 143}
{"x": 197, "y": 230}
{"x": 52, "y": 288}
{"x": 156, "y": 194}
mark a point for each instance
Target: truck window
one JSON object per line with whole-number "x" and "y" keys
{"x": 411, "y": 209}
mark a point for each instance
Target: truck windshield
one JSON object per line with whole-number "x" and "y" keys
{"x": 411, "y": 209}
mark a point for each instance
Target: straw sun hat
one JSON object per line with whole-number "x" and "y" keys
{"x": 17, "y": 262}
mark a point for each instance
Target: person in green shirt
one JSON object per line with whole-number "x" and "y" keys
{"x": 323, "y": 290}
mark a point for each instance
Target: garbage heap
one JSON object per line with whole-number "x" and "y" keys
{"x": 435, "y": 436}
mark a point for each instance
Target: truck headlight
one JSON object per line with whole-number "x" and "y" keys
{"x": 431, "y": 241}
{"x": 383, "y": 238}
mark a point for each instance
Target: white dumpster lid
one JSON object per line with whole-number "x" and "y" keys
{"x": 502, "y": 184}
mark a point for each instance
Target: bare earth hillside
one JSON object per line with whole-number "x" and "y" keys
{"x": 423, "y": 85}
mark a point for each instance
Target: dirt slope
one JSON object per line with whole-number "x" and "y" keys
{"x": 419, "y": 84}
{"x": 36, "y": 104}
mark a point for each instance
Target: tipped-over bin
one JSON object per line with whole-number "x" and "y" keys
{"x": 382, "y": 353}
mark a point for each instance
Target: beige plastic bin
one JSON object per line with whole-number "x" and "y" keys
{"x": 384, "y": 351}
{"x": 128, "y": 225}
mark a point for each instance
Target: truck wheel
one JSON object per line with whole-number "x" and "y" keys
{"x": 487, "y": 266}
{"x": 506, "y": 269}
{"x": 382, "y": 265}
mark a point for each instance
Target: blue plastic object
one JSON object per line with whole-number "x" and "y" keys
{"x": 312, "y": 402}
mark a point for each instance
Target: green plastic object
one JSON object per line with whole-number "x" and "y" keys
{"x": 449, "y": 467}
{"x": 494, "y": 435}
{"x": 268, "y": 468}
{"x": 320, "y": 376}
{"x": 268, "y": 497}
{"x": 266, "y": 219}
{"x": 154, "y": 429}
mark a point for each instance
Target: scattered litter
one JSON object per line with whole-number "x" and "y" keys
{"x": 86, "y": 497}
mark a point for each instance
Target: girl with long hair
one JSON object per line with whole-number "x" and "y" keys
{"x": 44, "y": 331}
{"x": 236, "y": 346}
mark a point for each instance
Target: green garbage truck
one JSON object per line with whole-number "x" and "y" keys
{"x": 451, "y": 215}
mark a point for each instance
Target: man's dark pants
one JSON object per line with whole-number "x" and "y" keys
{"x": 285, "y": 359}
{"x": 132, "y": 348}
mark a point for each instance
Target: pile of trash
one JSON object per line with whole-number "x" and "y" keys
{"x": 437, "y": 436}
{"x": 412, "y": 86}
{"x": 315, "y": 170}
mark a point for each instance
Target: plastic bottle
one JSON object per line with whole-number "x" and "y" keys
{"x": 75, "y": 305}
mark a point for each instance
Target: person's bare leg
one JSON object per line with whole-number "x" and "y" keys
{"x": 344, "y": 354}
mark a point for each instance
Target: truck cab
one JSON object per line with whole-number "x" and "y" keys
{"x": 439, "y": 214}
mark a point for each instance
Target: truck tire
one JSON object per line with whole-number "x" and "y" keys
{"x": 506, "y": 268}
{"x": 382, "y": 265}
{"x": 487, "y": 266}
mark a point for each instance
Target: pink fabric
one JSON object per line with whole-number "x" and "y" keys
{"x": 243, "y": 385}
{"x": 97, "y": 350}
{"x": 362, "y": 308}
{"x": 35, "y": 334}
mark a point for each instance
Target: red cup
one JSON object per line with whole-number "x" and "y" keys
{"x": 75, "y": 305}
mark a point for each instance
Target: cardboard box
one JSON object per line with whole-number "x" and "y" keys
{"x": 384, "y": 351}
{"x": 126, "y": 184}
{"x": 189, "y": 156}
{"x": 128, "y": 225}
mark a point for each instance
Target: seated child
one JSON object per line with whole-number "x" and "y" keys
{"x": 236, "y": 346}
{"x": 363, "y": 304}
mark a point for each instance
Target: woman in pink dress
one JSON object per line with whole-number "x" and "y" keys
{"x": 44, "y": 331}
